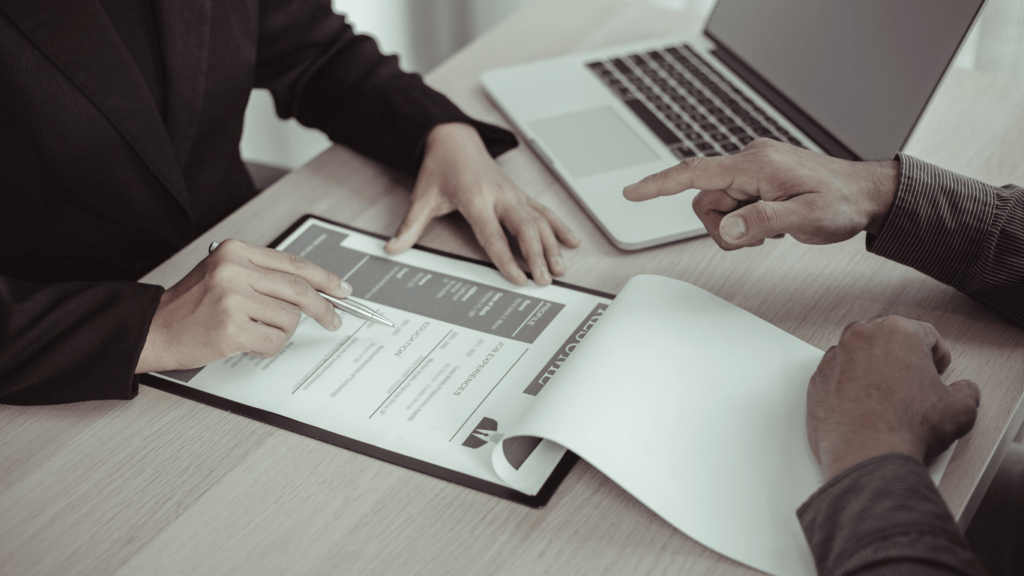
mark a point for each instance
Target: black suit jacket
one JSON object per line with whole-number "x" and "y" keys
{"x": 97, "y": 188}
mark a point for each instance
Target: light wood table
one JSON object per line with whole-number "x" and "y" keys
{"x": 162, "y": 485}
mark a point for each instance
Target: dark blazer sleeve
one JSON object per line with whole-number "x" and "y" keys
{"x": 959, "y": 231}
{"x": 328, "y": 77}
{"x": 884, "y": 516}
{"x": 72, "y": 341}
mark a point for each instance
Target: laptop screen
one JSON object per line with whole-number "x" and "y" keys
{"x": 862, "y": 69}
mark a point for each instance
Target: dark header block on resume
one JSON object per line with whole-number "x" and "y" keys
{"x": 488, "y": 309}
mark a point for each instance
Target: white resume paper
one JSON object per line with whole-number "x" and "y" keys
{"x": 467, "y": 358}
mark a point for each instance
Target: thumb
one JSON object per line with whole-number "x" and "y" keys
{"x": 421, "y": 212}
{"x": 760, "y": 220}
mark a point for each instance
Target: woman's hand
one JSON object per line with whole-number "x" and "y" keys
{"x": 241, "y": 298}
{"x": 458, "y": 174}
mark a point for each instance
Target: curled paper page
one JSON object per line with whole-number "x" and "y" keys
{"x": 697, "y": 408}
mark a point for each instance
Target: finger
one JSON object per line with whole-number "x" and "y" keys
{"x": 527, "y": 235}
{"x": 420, "y": 213}
{"x": 815, "y": 407}
{"x": 296, "y": 291}
{"x": 279, "y": 261}
{"x": 715, "y": 173}
{"x": 941, "y": 355}
{"x": 551, "y": 246}
{"x": 711, "y": 206}
{"x": 491, "y": 237}
{"x": 760, "y": 220}
{"x": 276, "y": 313}
{"x": 959, "y": 414}
{"x": 562, "y": 231}
{"x": 263, "y": 341}
{"x": 967, "y": 396}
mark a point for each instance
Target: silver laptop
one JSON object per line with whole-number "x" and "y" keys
{"x": 846, "y": 77}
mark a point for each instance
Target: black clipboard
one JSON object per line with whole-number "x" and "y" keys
{"x": 539, "y": 501}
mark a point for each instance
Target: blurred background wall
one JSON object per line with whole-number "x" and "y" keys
{"x": 425, "y": 32}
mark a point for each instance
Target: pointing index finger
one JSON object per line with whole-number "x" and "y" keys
{"x": 715, "y": 173}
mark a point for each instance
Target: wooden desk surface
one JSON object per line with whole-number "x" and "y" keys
{"x": 161, "y": 485}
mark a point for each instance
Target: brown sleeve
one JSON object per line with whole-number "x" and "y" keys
{"x": 960, "y": 231}
{"x": 884, "y": 516}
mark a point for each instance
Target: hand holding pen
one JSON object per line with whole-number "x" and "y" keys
{"x": 241, "y": 298}
{"x": 357, "y": 309}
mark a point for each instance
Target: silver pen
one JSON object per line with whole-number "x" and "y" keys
{"x": 348, "y": 305}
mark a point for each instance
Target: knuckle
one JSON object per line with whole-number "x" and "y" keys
{"x": 764, "y": 215}
{"x": 291, "y": 313}
{"x": 298, "y": 287}
{"x": 685, "y": 165}
{"x": 890, "y": 320}
{"x": 297, "y": 262}
{"x": 478, "y": 199}
{"x": 526, "y": 228}
{"x": 688, "y": 164}
{"x": 538, "y": 219}
{"x": 854, "y": 330}
{"x": 772, "y": 153}
{"x": 897, "y": 325}
{"x": 329, "y": 278}
{"x": 752, "y": 146}
{"x": 699, "y": 202}
{"x": 230, "y": 247}
{"x": 541, "y": 209}
{"x": 704, "y": 203}
{"x": 233, "y": 303}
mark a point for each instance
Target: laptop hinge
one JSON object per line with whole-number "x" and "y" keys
{"x": 805, "y": 123}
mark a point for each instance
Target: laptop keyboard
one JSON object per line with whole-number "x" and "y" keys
{"x": 685, "y": 102}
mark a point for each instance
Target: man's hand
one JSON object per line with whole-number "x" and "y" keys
{"x": 240, "y": 298}
{"x": 772, "y": 189}
{"x": 458, "y": 174}
{"x": 878, "y": 391}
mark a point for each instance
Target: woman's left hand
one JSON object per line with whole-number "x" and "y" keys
{"x": 458, "y": 174}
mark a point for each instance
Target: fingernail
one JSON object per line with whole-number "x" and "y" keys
{"x": 337, "y": 320}
{"x": 543, "y": 275}
{"x": 574, "y": 238}
{"x": 558, "y": 263}
{"x": 625, "y": 191}
{"x": 346, "y": 288}
{"x": 733, "y": 228}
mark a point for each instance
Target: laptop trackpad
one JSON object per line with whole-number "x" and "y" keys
{"x": 592, "y": 141}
